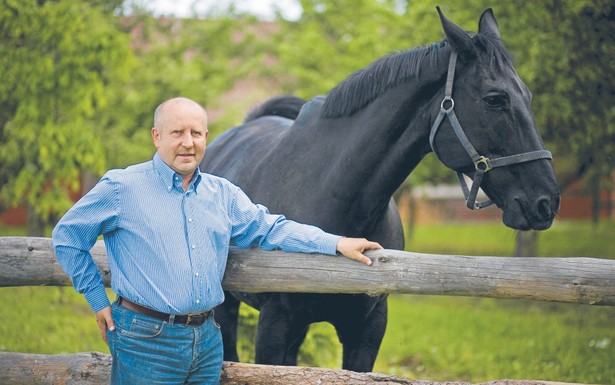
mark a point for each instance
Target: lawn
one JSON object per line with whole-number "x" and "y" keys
{"x": 433, "y": 338}
{"x": 563, "y": 239}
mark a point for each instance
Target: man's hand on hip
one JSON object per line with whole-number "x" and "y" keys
{"x": 105, "y": 321}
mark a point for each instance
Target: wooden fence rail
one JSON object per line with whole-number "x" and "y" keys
{"x": 28, "y": 261}
{"x": 93, "y": 368}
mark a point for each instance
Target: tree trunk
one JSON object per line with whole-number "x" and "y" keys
{"x": 526, "y": 243}
{"x": 608, "y": 204}
{"x": 34, "y": 225}
{"x": 595, "y": 183}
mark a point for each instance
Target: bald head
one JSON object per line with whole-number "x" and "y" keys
{"x": 175, "y": 105}
{"x": 180, "y": 135}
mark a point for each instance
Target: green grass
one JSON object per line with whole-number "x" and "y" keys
{"x": 469, "y": 339}
{"x": 428, "y": 337}
{"x": 563, "y": 239}
{"x": 12, "y": 231}
{"x": 48, "y": 320}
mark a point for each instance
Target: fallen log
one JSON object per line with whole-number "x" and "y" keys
{"x": 93, "y": 368}
{"x": 28, "y": 261}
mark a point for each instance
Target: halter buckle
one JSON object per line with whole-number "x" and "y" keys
{"x": 482, "y": 163}
{"x": 445, "y": 100}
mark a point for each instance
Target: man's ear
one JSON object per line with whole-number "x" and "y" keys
{"x": 156, "y": 136}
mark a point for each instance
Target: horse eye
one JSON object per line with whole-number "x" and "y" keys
{"x": 496, "y": 100}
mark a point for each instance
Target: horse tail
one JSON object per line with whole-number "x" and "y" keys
{"x": 286, "y": 106}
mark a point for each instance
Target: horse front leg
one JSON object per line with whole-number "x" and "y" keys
{"x": 279, "y": 335}
{"x": 227, "y": 315}
{"x": 361, "y": 338}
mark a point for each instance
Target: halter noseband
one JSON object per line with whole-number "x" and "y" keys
{"x": 482, "y": 164}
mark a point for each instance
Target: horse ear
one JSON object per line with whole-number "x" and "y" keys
{"x": 487, "y": 23}
{"x": 459, "y": 39}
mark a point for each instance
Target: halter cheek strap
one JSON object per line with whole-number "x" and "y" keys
{"x": 482, "y": 164}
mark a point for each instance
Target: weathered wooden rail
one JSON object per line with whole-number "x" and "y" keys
{"x": 93, "y": 369}
{"x": 30, "y": 262}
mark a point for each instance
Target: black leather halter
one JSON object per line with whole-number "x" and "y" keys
{"x": 482, "y": 164}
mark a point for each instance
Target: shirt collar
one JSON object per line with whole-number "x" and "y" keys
{"x": 171, "y": 178}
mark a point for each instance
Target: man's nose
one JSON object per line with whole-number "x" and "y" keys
{"x": 187, "y": 140}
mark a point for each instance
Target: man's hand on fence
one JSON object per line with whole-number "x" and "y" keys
{"x": 353, "y": 248}
{"x": 105, "y": 321}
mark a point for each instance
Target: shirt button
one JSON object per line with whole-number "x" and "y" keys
{"x": 169, "y": 188}
{"x": 194, "y": 246}
{"x": 190, "y": 220}
{"x": 196, "y": 274}
{"x": 198, "y": 301}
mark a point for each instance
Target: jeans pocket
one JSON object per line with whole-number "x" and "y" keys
{"x": 143, "y": 328}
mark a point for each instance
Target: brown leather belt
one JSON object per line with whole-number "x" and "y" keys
{"x": 195, "y": 319}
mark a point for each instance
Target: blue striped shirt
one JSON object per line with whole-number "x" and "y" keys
{"x": 167, "y": 247}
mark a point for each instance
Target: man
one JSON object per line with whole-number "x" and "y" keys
{"x": 167, "y": 229}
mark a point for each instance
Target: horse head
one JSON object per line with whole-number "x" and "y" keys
{"x": 484, "y": 128}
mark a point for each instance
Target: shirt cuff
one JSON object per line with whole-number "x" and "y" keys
{"x": 97, "y": 298}
{"x": 329, "y": 244}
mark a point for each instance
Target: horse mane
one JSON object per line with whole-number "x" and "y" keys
{"x": 365, "y": 85}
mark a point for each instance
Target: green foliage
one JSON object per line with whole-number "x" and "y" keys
{"x": 199, "y": 59}
{"x": 56, "y": 59}
{"x": 78, "y": 99}
{"x": 333, "y": 39}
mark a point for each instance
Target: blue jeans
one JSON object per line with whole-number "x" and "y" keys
{"x": 148, "y": 351}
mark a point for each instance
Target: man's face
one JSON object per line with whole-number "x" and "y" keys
{"x": 181, "y": 137}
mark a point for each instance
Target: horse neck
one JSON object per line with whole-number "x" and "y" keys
{"x": 383, "y": 143}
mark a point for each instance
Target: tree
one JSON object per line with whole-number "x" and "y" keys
{"x": 199, "y": 58}
{"x": 81, "y": 81}
{"x": 56, "y": 58}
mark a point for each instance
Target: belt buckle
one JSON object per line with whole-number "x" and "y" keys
{"x": 195, "y": 319}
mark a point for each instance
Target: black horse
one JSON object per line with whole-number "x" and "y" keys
{"x": 339, "y": 162}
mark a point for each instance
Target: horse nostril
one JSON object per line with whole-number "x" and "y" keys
{"x": 543, "y": 207}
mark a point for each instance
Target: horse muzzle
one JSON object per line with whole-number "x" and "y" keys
{"x": 531, "y": 214}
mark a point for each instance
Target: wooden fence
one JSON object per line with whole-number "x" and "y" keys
{"x": 30, "y": 262}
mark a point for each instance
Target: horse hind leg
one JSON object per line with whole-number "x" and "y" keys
{"x": 227, "y": 315}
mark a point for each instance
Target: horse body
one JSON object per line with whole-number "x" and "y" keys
{"x": 339, "y": 162}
